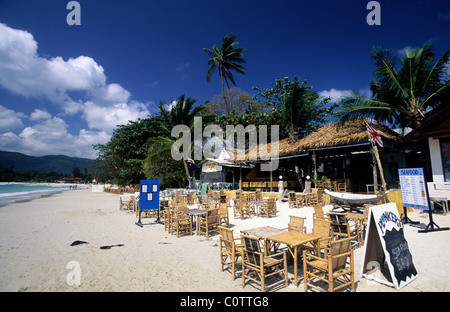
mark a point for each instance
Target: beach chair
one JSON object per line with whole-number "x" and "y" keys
{"x": 181, "y": 223}
{"x": 322, "y": 228}
{"x": 208, "y": 223}
{"x": 124, "y": 204}
{"x": 296, "y": 223}
{"x": 318, "y": 212}
{"x": 263, "y": 266}
{"x": 292, "y": 200}
{"x": 268, "y": 209}
{"x": 223, "y": 214}
{"x": 335, "y": 268}
{"x": 341, "y": 228}
{"x": 231, "y": 249}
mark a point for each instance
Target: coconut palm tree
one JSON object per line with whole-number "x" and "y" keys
{"x": 226, "y": 60}
{"x": 402, "y": 95}
{"x": 181, "y": 112}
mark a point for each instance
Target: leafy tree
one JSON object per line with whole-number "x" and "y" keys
{"x": 226, "y": 60}
{"x": 182, "y": 112}
{"x": 402, "y": 94}
{"x": 120, "y": 159}
{"x": 295, "y": 106}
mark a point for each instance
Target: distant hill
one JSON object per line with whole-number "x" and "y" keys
{"x": 56, "y": 163}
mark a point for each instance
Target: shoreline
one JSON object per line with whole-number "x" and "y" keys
{"x": 36, "y": 238}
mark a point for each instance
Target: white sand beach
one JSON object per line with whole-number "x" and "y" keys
{"x": 36, "y": 238}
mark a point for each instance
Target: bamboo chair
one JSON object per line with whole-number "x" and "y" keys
{"x": 231, "y": 249}
{"x": 268, "y": 209}
{"x": 124, "y": 204}
{"x": 242, "y": 209}
{"x": 335, "y": 267}
{"x": 263, "y": 266}
{"x": 341, "y": 187}
{"x": 313, "y": 198}
{"x": 292, "y": 200}
{"x": 322, "y": 228}
{"x": 318, "y": 212}
{"x": 341, "y": 228}
{"x": 208, "y": 223}
{"x": 223, "y": 215}
{"x": 181, "y": 223}
{"x": 297, "y": 224}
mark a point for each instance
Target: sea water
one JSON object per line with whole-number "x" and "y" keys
{"x": 12, "y": 193}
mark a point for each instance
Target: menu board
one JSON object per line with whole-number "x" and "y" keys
{"x": 385, "y": 243}
{"x": 413, "y": 188}
{"x": 149, "y": 195}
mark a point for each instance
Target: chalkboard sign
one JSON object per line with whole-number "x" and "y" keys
{"x": 386, "y": 244}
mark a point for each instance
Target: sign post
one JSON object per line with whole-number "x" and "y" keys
{"x": 415, "y": 195}
{"x": 385, "y": 244}
{"x": 148, "y": 198}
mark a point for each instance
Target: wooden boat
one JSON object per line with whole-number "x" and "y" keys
{"x": 352, "y": 200}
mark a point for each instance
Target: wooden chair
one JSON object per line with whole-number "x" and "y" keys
{"x": 341, "y": 187}
{"x": 180, "y": 224}
{"x": 242, "y": 209}
{"x": 231, "y": 249}
{"x": 322, "y": 228}
{"x": 124, "y": 204}
{"x": 314, "y": 197}
{"x": 297, "y": 224}
{"x": 208, "y": 223}
{"x": 318, "y": 212}
{"x": 341, "y": 228}
{"x": 335, "y": 267}
{"x": 292, "y": 200}
{"x": 223, "y": 215}
{"x": 268, "y": 209}
{"x": 264, "y": 266}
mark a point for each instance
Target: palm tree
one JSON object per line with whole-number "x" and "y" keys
{"x": 226, "y": 59}
{"x": 402, "y": 96}
{"x": 182, "y": 112}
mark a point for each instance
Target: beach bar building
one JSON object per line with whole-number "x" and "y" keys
{"x": 335, "y": 152}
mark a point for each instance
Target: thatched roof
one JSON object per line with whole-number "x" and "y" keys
{"x": 331, "y": 135}
{"x": 351, "y": 132}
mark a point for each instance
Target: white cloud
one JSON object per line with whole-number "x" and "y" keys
{"x": 107, "y": 117}
{"x": 39, "y": 114}
{"x": 102, "y": 105}
{"x": 10, "y": 119}
{"x": 50, "y": 136}
{"x": 336, "y": 95}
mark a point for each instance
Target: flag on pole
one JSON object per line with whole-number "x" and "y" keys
{"x": 192, "y": 162}
{"x": 374, "y": 135}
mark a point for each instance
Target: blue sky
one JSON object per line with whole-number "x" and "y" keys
{"x": 64, "y": 88}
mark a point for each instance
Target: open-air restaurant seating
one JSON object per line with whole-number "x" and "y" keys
{"x": 263, "y": 255}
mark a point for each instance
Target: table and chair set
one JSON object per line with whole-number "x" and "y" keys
{"x": 263, "y": 253}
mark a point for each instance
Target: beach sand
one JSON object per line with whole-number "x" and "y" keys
{"x": 36, "y": 253}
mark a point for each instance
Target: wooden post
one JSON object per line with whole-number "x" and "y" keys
{"x": 240, "y": 176}
{"x": 374, "y": 172}
{"x": 375, "y": 149}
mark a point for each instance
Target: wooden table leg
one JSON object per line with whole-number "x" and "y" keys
{"x": 295, "y": 255}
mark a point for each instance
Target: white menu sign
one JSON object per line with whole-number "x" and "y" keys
{"x": 414, "y": 192}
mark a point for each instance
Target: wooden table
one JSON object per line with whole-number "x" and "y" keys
{"x": 256, "y": 204}
{"x": 195, "y": 213}
{"x": 261, "y": 233}
{"x": 293, "y": 240}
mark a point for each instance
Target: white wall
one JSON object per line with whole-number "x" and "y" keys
{"x": 436, "y": 160}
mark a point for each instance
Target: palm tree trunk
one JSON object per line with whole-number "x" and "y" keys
{"x": 188, "y": 176}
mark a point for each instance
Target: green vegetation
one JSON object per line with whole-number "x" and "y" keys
{"x": 402, "y": 94}
{"x": 17, "y": 167}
